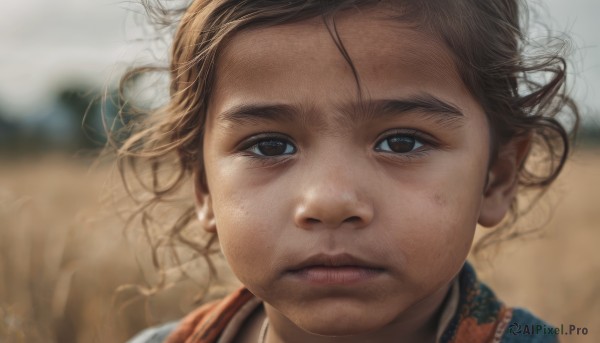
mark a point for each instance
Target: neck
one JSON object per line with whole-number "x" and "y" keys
{"x": 419, "y": 323}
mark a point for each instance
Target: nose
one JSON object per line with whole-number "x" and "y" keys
{"x": 333, "y": 200}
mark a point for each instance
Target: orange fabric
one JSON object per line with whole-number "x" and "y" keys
{"x": 469, "y": 330}
{"x": 206, "y": 324}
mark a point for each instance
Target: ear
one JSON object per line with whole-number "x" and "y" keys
{"x": 501, "y": 186}
{"x": 204, "y": 208}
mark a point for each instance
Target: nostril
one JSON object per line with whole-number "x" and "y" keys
{"x": 312, "y": 221}
{"x": 353, "y": 219}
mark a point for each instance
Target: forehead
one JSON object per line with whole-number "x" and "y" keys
{"x": 300, "y": 63}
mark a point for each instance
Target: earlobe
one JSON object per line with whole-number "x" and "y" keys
{"x": 502, "y": 181}
{"x": 205, "y": 213}
{"x": 204, "y": 208}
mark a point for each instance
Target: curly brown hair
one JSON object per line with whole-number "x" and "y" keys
{"x": 520, "y": 85}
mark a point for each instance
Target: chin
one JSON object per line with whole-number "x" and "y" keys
{"x": 342, "y": 324}
{"x": 340, "y": 331}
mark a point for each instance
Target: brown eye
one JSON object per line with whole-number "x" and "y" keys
{"x": 399, "y": 144}
{"x": 272, "y": 147}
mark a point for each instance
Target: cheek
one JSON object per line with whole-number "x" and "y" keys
{"x": 439, "y": 215}
{"x": 440, "y": 225}
{"x": 247, "y": 230}
{"x": 240, "y": 211}
{"x": 434, "y": 240}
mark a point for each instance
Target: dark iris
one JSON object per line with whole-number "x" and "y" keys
{"x": 401, "y": 143}
{"x": 271, "y": 147}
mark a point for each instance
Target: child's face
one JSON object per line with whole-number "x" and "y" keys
{"x": 398, "y": 185}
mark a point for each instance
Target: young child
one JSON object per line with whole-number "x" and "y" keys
{"x": 343, "y": 153}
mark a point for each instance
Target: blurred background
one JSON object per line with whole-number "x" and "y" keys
{"x": 69, "y": 272}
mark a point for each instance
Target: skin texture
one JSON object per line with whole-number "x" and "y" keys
{"x": 337, "y": 187}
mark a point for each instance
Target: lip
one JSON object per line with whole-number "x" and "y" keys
{"x": 338, "y": 269}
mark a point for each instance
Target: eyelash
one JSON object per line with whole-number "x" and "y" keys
{"x": 424, "y": 143}
{"x": 413, "y": 134}
{"x": 264, "y": 160}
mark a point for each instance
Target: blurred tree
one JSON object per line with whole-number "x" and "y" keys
{"x": 83, "y": 110}
{"x": 589, "y": 135}
{"x": 8, "y": 132}
{"x": 74, "y": 123}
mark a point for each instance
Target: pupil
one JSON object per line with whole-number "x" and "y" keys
{"x": 401, "y": 143}
{"x": 271, "y": 148}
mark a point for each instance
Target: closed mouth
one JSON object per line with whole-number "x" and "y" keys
{"x": 335, "y": 269}
{"x": 343, "y": 260}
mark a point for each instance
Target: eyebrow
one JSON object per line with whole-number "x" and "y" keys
{"x": 356, "y": 112}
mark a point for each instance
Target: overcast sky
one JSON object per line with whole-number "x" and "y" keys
{"x": 44, "y": 44}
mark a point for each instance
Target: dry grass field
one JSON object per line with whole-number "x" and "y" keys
{"x": 65, "y": 259}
